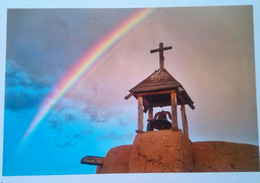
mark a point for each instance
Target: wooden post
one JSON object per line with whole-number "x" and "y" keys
{"x": 150, "y": 117}
{"x": 174, "y": 111}
{"x": 184, "y": 121}
{"x": 140, "y": 114}
{"x": 150, "y": 113}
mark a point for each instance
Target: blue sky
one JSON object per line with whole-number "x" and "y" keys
{"x": 212, "y": 56}
{"x": 42, "y": 46}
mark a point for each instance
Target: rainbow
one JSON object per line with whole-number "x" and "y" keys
{"x": 85, "y": 64}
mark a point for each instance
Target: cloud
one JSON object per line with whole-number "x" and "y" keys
{"x": 22, "y": 91}
{"x": 122, "y": 122}
{"x": 111, "y": 135}
{"x": 49, "y": 42}
{"x": 17, "y": 76}
{"x": 20, "y": 100}
{"x": 70, "y": 117}
{"x": 56, "y": 124}
{"x": 75, "y": 121}
{"x": 65, "y": 144}
{"x": 84, "y": 110}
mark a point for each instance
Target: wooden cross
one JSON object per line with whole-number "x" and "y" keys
{"x": 160, "y": 50}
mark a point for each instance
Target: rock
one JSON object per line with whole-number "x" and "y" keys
{"x": 225, "y": 157}
{"x": 161, "y": 151}
{"x": 116, "y": 160}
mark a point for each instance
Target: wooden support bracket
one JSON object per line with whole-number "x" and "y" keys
{"x": 92, "y": 160}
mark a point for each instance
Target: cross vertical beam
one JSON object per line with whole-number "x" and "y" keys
{"x": 160, "y": 50}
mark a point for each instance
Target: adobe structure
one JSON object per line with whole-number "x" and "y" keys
{"x": 158, "y": 90}
{"x": 171, "y": 150}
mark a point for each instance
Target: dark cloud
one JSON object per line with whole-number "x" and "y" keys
{"x": 56, "y": 124}
{"x": 17, "y": 77}
{"x": 22, "y": 91}
{"x": 82, "y": 134}
{"x": 48, "y": 42}
{"x": 19, "y": 100}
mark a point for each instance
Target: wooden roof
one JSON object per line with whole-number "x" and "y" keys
{"x": 161, "y": 80}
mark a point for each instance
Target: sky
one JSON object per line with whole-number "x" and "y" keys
{"x": 212, "y": 57}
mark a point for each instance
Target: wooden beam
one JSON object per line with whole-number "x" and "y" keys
{"x": 161, "y": 93}
{"x": 183, "y": 101}
{"x": 140, "y": 114}
{"x": 155, "y": 92}
{"x": 174, "y": 110}
{"x": 180, "y": 97}
{"x": 191, "y": 106}
{"x": 145, "y": 109}
{"x": 146, "y": 104}
{"x": 150, "y": 113}
{"x": 128, "y": 96}
{"x": 184, "y": 121}
{"x": 92, "y": 160}
{"x": 162, "y": 104}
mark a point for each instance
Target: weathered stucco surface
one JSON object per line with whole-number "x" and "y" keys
{"x": 170, "y": 151}
{"x": 166, "y": 151}
{"x": 116, "y": 160}
{"x": 225, "y": 157}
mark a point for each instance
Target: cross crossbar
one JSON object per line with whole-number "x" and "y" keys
{"x": 160, "y": 50}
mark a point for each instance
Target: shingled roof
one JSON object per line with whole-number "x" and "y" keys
{"x": 160, "y": 79}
